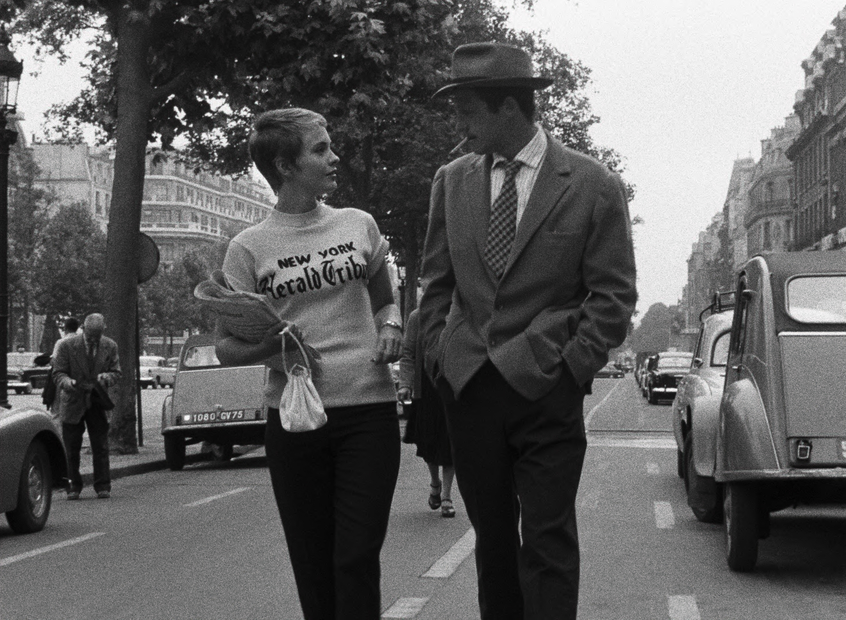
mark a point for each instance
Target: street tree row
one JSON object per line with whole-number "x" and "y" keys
{"x": 200, "y": 70}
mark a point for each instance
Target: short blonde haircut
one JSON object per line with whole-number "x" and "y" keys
{"x": 278, "y": 135}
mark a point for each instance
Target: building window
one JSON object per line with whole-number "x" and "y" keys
{"x": 98, "y": 203}
{"x": 767, "y": 241}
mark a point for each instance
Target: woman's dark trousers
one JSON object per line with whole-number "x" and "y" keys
{"x": 334, "y": 488}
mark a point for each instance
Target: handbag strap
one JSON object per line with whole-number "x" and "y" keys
{"x": 287, "y": 332}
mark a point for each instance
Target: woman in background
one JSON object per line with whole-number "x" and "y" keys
{"x": 426, "y": 424}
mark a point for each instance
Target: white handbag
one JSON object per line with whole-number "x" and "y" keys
{"x": 300, "y": 408}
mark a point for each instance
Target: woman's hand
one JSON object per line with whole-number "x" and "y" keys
{"x": 388, "y": 345}
{"x": 404, "y": 394}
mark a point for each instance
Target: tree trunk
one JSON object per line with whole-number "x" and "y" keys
{"x": 134, "y": 95}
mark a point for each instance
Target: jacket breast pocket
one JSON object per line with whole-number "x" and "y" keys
{"x": 561, "y": 252}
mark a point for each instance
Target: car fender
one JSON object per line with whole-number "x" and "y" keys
{"x": 704, "y": 422}
{"x": 167, "y": 407}
{"x": 19, "y": 427}
{"x": 745, "y": 442}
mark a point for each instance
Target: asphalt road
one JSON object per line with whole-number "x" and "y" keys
{"x": 206, "y": 543}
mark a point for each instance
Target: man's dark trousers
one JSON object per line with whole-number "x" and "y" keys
{"x": 98, "y": 434}
{"x": 519, "y": 459}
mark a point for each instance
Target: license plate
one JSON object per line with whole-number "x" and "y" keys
{"x": 209, "y": 417}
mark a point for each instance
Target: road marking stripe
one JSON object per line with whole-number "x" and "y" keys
{"x": 34, "y": 552}
{"x": 664, "y": 518}
{"x": 653, "y": 469}
{"x": 646, "y": 443}
{"x": 214, "y": 497}
{"x": 405, "y": 608}
{"x": 589, "y": 416}
{"x": 683, "y": 608}
{"x": 451, "y": 560}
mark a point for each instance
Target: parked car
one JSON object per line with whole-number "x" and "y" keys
{"x": 23, "y": 374}
{"x": 32, "y": 461}
{"x": 641, "y": 361}
{"x": 697, "y": 406}
{"x": 780, "y": 436}
{"x": 155, "y": 372}
{"x": 610, "y": 371}
{"x": 663, "y": 374}
{"x": 210, "y": 402}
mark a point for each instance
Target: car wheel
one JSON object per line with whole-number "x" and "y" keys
{"x": 222, "y": 452}
{"x": 740, "y": 506}
{"x": 174, "y": 451}
{"x": 652, "y": 397}
{"x": 703, "y": 494}
{"x": 35, "y": 492}
{"x": 28, "y": 389}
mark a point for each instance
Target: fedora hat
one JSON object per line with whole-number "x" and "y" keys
{"x": 487, "y": 65}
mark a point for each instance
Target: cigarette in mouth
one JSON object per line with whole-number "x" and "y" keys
{"x": 458, "y": 147}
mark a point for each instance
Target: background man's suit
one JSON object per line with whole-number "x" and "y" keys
{"x": 538, "y": 334}
{"x": 72, "y": 363}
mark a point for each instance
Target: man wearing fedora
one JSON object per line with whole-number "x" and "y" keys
{"x": 529, "y": 280}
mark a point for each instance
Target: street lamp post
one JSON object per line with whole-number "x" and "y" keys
{"x": 10, "y": 77}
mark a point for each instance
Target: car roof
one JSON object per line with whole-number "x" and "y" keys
{"x": 780, "y": 267}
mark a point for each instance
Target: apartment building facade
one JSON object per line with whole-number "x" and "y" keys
{"x": 183, "y": 207}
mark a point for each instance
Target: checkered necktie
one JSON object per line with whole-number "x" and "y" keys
{"x": 503, "y": 223}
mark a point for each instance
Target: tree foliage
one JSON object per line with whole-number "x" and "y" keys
{"x": 27, "y": 217}
{"x": 201, "y": 70}
{"x": 69, "y": 264}
{"x": 658, "y": 330}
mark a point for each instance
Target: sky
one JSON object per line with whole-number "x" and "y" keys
{"x": 683, "y": 88}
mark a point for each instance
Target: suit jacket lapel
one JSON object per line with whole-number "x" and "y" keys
{"x": 550, "y": 186}
{"x": 476, "y": 190}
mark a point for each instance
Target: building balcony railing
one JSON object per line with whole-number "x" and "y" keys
{"x": 757, "y": 210}
{"x": 192, "y": 227}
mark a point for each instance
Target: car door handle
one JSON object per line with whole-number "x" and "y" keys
{"x": 737, "y": 367}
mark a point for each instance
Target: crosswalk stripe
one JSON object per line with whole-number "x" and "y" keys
{"x": 451, "y": 560}
{"x": 405, "y": 608}
{"x": 664, "y": 518}
{"x": 29, "y": 554}
{"x": 683, "y": 608}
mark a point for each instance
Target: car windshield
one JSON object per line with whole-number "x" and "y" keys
{"x": 201, "y": 356}
{"x": 673, "y": 362}
{"x": 719, "y": 357}
{"x": 817, "y": 299}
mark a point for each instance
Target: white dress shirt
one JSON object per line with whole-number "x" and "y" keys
{"x": 532, "y": 156}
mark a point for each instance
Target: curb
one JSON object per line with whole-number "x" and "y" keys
{"x": 145, "y": 467}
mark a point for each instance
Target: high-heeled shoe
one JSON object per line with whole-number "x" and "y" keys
{"x": 435, "y": 496}
{"x": 447, "y": 510}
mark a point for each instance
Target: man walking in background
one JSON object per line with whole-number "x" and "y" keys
{"x": 529, "y": 280}
{"x": 84, "y": 366}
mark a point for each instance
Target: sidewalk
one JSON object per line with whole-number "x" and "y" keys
{"x": 150, "y": 457}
